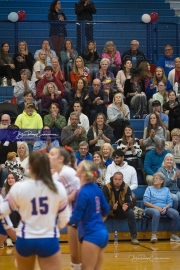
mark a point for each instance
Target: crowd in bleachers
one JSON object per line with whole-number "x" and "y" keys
{"x": 87, "y": 99}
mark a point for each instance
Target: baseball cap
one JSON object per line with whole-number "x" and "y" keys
{"x": 29, "y": 105}
{"x": 156, "y": 103}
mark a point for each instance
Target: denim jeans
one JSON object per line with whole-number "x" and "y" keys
{"x": 129, "y": 214}
{"x": 176, "y": 200}
{"x": 155, "y": 214}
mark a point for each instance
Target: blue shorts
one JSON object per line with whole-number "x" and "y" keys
{"x": 99, "y": 238}
{"x": 42, "y": 247}
{"x": 2, "y": 230}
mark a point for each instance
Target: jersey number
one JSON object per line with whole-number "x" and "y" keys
{"x": 97, "y": 204}
{"x": 43, "y": 206}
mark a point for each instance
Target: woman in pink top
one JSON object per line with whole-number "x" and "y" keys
{"x": 113, "y": 55}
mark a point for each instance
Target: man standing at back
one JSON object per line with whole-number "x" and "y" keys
{"x": 84, "y": 10}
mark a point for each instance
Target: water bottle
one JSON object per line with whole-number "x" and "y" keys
{"x": 116, "y": 252}
{"x": 4, "y": 82}
{"x": 115, "y": 238}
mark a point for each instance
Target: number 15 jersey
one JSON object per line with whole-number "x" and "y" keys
{"x": 38, "y": 207}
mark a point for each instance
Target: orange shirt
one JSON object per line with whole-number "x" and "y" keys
{"x": 74, "y": 77}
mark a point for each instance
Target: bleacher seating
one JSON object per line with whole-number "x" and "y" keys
{"x": 124, "y": 11}
{"x": 6, "y": 93}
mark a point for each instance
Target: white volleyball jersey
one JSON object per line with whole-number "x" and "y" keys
{"x": 68, "y": 178}
{"x": 6, "y": 222}
{"x": 38, "y": 207}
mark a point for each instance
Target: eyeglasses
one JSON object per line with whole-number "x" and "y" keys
{"x": 4, "y": 120}
{"x": 161, "y": 85}
{"x": 96, "y": 85}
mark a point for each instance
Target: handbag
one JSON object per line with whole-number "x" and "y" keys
{"x": 138, "y": 212}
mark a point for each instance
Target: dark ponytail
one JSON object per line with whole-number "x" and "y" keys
{"x": 40, "y": 167}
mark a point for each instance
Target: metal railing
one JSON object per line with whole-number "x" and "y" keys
{"x": 152, "y": 37}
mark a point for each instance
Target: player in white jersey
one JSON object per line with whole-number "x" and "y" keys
{"x": 62, "y": 160}
{"x": 6, "y": 228}
{"x": 39, "y": 201}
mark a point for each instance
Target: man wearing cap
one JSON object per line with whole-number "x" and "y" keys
{"x": 49, "y": 77}
{"x": 29, "y": 118}
{"x": 73, "y": 134}
{"x": 134, "y": 54}
{"x": 156, "y": 108}
{"x": 119, "y": 165}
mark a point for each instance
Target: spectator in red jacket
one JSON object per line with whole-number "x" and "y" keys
{"x": 48, "y": 77}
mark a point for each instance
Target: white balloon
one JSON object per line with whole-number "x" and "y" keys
{"x": 146, "y": 18}
{"x": 13, "y": 17}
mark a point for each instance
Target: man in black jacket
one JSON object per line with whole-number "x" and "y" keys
{"x": 118, "y": 195}
{"x": 99, "y": 99}
{"x": 134, "y": 54}
{"x": 84, "y": 10}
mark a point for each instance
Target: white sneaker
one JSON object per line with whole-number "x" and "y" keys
{"x": 13, "y": 82}
{"x": 9, "y": 242}
{"x": 174, "y": 238}
{"x": 153, "y": 238}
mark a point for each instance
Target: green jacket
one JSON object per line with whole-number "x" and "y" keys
{"x": 59, "y": 123}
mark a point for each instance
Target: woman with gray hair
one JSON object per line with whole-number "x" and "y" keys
{"x": 105, "y": 76}
{"x": 24, "y": 85}
{"x": 172, "y": 178}
{"x": 50, "y": 95}
{"x": 158, "y": 202}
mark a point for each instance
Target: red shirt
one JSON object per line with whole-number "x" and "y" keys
{"x": 176, "y": 77}
{"x": 43, "y": 82}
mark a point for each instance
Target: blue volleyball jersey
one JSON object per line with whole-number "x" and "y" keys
{"x": 89, "y": 208}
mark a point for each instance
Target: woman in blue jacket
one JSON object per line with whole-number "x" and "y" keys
{"x": 89, "y": 212}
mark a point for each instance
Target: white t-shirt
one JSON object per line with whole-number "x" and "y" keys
{"x": 38, "y": 207}
{"x": 38, "y": 66}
